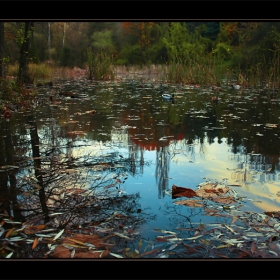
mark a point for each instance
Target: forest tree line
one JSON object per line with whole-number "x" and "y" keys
{"x": 245, "y": 48}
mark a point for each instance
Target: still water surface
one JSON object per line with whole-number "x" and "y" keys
{"x": 184, "y": 142}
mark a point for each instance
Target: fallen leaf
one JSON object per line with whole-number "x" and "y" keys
{"x": 9, "y": 255}
{"x": 224, "y": 200}
{"x": 179, "y": 191}
{"x": 191, "y": 203}
{"x": 116, "y": 255}
{"x": 33, "y": 229}
{"x": 210, "y": 191}
{"x": 35, "y": 243}
{"x": 58, "y": 235}
{"x": 9, "y": 232}
{"x": 77, "y": 132}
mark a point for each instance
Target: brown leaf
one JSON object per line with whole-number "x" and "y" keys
{"x": 61, "y": 252}
{"x": 33, "y": 229}
{"x": 81, "y": 251}
{"x": 179, "y": 191}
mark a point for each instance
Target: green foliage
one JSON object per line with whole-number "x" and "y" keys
{"x": 102, "y": 40}
{"x": 131, "y": 54}
{"x": 177, "y": 42}
{"x": 157, "y": 53}
{"x": 222, "y": 51}
{"x": 21, "y": 36}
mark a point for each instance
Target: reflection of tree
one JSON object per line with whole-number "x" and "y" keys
{"x": 35, "y": 146}
{"x": 162, "y": 169}
{"x": 182, "y": 215}
{"x": 8, "y": 182}
{"x": 86, "y": 194}
{"x": 252, "y": 167}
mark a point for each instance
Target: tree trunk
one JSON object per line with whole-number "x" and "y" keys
{"x": 49, "y": 40}
{"x": 37, "y": 166}
{"x": 2, "y": 51}
{"x": 23, "y": 75}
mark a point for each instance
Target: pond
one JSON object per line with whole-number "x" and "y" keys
{"x": 187, "y": 177}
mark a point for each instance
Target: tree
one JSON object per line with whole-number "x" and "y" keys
{"x": 178, "y": 42}
{"x": 26, "y": 40}
{"x": 2, "y": 51}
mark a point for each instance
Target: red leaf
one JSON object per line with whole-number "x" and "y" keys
{"x": 179, "y": 191}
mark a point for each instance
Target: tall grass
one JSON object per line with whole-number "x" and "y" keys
{"x": 197, "y": 71}
{"x": 100, "y": 66}
{"x": 36, "y": 71}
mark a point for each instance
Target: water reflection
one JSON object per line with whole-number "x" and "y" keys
{"x": 134, "y": 133}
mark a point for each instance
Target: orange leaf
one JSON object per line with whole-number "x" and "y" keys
{"x": 35, "y": 243}
{"x": 9, "y": 232}
{"x": 39, "y": 227}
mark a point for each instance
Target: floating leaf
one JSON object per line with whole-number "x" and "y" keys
{"x": 165, "y": 231}
{"x": 35, "y": 243}
{"x": 9, "y": 255}
{"x": 72, "y": 254}
{"x": 9, "y": 232}
{"x": 210, "y": 191}
{"x": 194, "y": 237}
{"x": 179, "y": 191}
{"x": 121, "y": 235}
{"x": 191, "y": 203}
{"x": 224, "y": 200}
{"x": 58, "y": 235}
{"x": 33, "y": 229}
{"x": 116, "y": 255}
{"x": 77, "y": 241}
{"x": 76, "y": 132}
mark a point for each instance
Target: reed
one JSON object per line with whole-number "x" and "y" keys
{"x": 197, "y": 70}
{"x": 100, "y": 66}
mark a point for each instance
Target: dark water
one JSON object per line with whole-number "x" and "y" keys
{"x": 149, "y": 144}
